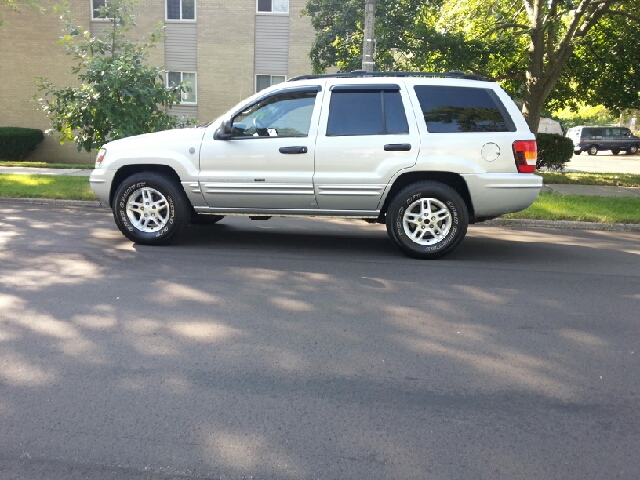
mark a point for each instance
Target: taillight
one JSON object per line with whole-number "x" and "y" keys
{"x": 526, "y": 153}
{"x": 100, "y": 157}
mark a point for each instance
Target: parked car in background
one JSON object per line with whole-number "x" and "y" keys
{"x": 596, "y": 139}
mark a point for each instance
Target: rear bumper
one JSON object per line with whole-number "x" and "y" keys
{"x": 494, "y": 194}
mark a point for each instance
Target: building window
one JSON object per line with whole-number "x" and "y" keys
{"x": 181, "y": 9}
{"x": 273, "y": 6}
{"x": 265, "y": 81}
{"x": 189, "y": 78}
{"x": 96, "y": 5}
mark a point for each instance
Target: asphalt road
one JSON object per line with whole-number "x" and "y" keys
{"x": 304, "y": 349}
{"x": 604, "y": 162}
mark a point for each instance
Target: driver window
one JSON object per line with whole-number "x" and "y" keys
{"x": 282, "y": 115}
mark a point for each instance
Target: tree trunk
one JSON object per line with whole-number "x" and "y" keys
{"x": 532, "y": 108}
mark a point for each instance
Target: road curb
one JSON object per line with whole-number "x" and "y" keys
{"x": 607, "y": 227}
{"x": 499, "y": 222}
{"x": 53, "y": 201}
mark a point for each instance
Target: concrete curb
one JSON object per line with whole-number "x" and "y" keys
{"x": 499, "y": 222}
{"x": 53, "y": 201}
{"x": 608, "y": 227}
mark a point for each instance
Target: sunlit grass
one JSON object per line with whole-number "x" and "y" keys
{"x": 582, "y": 208}
{"x": 81, "y": 166}
{"x": 605, "y": 179}
{"x": 45, "y": 186}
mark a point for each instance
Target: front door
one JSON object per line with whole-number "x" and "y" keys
{"x": 268, "y": 163}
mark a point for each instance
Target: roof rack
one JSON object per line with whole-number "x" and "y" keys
{"x": 362, "y": 73}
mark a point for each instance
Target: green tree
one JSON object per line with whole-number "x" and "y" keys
{"x": 525, "y": 44}
{"x": 604, "y": 68}
{"x": 118, "y": 94}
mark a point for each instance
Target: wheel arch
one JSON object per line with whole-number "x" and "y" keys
{"x": 450, "y": 179}
{"x": 128, "y": 170}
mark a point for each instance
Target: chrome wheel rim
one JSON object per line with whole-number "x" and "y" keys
{"x": 148, "y": 210}
{"x": 427, "y": 221}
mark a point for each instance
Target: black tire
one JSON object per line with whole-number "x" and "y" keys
{"x": 633, "y": 149}
{"x": 615, "y": 151}
{"x": 577, "y": 152}
{"x": 442, "y": 235}
{"x": 592, "y": 150}
{"x": 168, "y": 209}
{"x": 204, "y": 219}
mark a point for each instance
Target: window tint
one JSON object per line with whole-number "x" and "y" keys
{"x": 282, "y": 115}
{"x": 596, "y": 132}
{"x": 366, "y": 112}
{"x": 460, "y": 109}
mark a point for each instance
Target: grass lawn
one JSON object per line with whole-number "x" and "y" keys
{"x": 582, "y": 208}
{"x": 45, "y": 186}
{"x": 606, "y": 179}
{"x": 80, "y": 166}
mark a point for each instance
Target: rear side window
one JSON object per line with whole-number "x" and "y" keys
{"x": 461, "y": 109}
{"x": 366, "y": 111}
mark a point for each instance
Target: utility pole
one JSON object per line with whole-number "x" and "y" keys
{"x": 369, "y": 39}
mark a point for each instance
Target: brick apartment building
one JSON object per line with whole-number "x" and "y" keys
{"x": 226, "y": 50}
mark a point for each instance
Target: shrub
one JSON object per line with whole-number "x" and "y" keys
{"x": 553, "y": 151}
{"x": 17, "y": 143}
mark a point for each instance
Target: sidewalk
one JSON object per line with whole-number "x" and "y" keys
{"x": 593, "y": 190}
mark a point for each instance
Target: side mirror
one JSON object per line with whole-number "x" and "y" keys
{"x": 224, "y": 131}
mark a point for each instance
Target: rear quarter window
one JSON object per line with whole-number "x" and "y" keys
{"x": 462, "y": 109}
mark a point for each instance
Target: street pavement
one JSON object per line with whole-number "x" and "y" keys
{"x": 300, "y": 349}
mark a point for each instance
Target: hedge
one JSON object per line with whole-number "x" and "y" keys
{"x": 17, "y": 143}
{"x": 554, "y": 151}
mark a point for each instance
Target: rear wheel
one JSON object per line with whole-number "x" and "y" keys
{"x": 151, "y": 209}
{"x": 592, "y": 150}
{"x": 633, "y": 149}
{"x": 615, "y": 151}
{"x": 577, "y": 152}
{"x": 427, "y": 220}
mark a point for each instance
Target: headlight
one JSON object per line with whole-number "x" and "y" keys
{"x": 100, "y": 157}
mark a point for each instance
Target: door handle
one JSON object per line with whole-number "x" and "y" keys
{"x": 397, "y": 147}
{"x": 293, "y": 150}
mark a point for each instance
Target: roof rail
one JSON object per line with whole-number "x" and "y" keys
{"x": 362, "y": 73}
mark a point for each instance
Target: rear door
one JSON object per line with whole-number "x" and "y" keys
{"x": 364, "y": 139}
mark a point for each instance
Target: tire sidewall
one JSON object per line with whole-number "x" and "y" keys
{"x": 453, "y": 203}
{"x": 124, "y": 193}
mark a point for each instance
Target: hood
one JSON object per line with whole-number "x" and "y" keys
{"x": 165, "y": 138}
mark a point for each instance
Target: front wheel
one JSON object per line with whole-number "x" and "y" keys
{"x": 592, "y": 150}
{"x": 633, "y": 149}
{"x": 427, "y": 220}
{"x": 151, "y": 209}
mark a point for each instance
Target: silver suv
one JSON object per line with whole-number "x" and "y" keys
{"x": 427, "y": 154}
